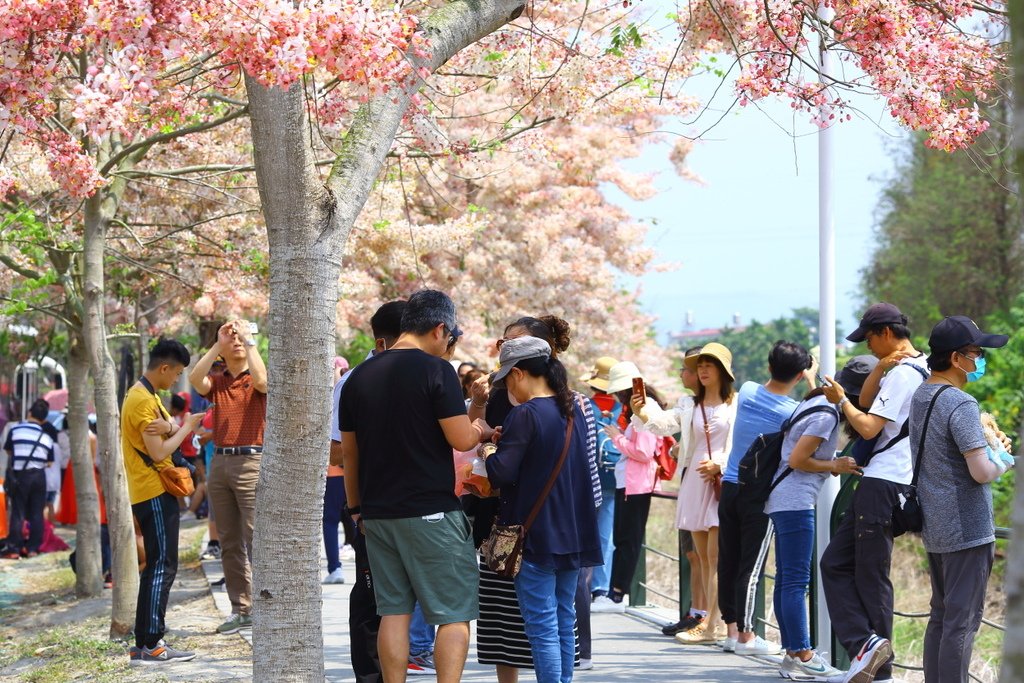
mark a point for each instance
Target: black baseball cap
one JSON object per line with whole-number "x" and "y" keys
{"x": 878, "y": 314}
{"x": 957, "y": 331}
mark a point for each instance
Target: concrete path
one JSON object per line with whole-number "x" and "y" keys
{"x": 627, "y": 647}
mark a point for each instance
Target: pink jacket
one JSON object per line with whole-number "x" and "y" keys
{"x": 638, "y": 450}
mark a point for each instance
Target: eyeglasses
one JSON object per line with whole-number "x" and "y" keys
{"x": 978, "y": 353}
{"x": 452, "y": 337}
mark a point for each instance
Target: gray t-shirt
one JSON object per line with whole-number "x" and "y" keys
{"x": 799, "y": 490}
{"x": 957, "y": 510}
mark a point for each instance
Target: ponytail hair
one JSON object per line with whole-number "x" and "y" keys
{"x": 552, "y": 370}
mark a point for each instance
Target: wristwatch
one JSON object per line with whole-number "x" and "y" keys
{"x": 843, "y": 401}
{"x": 250, "y": 342}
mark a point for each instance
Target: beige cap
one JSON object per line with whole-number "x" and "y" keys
{"x": 598, "y": 376}
{"x": 621, "y": 376}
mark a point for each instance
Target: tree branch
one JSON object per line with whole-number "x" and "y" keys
{"x": 165, "y": 137}
{"x": 21, "y": 270}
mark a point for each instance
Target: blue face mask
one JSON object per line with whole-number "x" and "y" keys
{"x": 979, "y": 370}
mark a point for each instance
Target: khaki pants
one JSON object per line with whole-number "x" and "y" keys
{"x": 231, "y": 485}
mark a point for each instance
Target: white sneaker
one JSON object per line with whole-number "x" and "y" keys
{"x": 347, "y": 552}
{"x": 604, "y": 605}
{"x": 757, "y": 646}
{"x": 872, "y": 656}
{"x": 729, "y": 645}
{"x": 814, "y": 669}
{"x": 335, "y": 577}
{"x": 787, "y": 666}
{"x": 585, "y": 664}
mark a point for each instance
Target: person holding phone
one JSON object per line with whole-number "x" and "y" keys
{"x": 635, "y": 477}
{"x": 240, "y": 395}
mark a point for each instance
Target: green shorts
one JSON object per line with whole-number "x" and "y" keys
{"x": 430, "y": 560}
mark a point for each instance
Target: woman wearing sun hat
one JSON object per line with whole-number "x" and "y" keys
{"x": 711, "y": 428}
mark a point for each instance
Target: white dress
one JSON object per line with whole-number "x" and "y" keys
{"x": 697, "y": 508}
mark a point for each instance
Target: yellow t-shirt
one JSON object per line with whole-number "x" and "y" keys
{"x": 139, "y": 409}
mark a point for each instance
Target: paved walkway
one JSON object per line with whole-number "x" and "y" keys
{"x": 627, "y": 647}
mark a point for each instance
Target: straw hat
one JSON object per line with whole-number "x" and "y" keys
{"x": 598, "y": 376}
{"x": 620, "y": 377}
{"x": 716, "y": 351}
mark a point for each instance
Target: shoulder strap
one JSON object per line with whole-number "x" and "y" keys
{"x": 924, "y": 432}
{"x": 922, "y": 371}
{"x": 554, "y": 474}
{"x": 707, "y": 429}
{"x": 810, "y": 411}
{"x": 28, "y": 458}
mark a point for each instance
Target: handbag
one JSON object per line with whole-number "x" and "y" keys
{"x": 177, "y": 479}
{"x": 906, "y": 515}
{"x": 716, "y": 483}
{"x": 663, "y": 457}
{"x": 502, "y": 551}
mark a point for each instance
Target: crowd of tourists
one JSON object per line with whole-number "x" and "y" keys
{"x": 513, "y": 500}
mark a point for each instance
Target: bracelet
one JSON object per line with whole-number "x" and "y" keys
{"x": 843, "y": 402}
{"x": 354, "y": 510}
{"x": 480, "y": 405}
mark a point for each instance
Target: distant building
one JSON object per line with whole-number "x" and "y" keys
{"x": 688, "y": 338}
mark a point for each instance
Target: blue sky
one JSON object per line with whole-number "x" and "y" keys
{"x": 746, "y": 241}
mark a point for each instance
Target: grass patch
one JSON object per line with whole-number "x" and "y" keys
{"x": 191, "y": 543}
{"x": 67, "y": 653}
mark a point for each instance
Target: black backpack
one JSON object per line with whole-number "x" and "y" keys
{"x": 761, "y": 461}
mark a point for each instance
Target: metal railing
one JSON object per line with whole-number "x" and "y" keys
{"x": 640, "y": 587}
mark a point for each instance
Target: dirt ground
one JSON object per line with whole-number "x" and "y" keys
{"x": 48, "y": 636}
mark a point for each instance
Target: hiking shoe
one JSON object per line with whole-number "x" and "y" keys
{"x": 872, "y": 656}
{"x": 335, "y": 577}
{"x": 212, "y": 552}
{"x": 602, "y": 604}
{"x": 686, "y": 624}
{"x": 729, "y": 645}
{"x": 421, "y": 664}
{"x": 162, "y": 652}
{"x": 816, "y": 668}
{"x": 236, "y": 623}
{"x": 757, "y": 646}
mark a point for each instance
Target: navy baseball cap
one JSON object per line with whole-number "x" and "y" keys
{"x": 957, "y": 331}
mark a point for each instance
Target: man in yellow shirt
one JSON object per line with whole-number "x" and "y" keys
{"x": 148, "y": 441}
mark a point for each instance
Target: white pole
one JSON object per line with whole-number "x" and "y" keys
{"x": 826, "y": 314}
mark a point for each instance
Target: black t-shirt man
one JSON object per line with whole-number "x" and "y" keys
{"x": 393, "y": 405}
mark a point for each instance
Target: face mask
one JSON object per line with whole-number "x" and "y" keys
{"x": 979, "y": 370}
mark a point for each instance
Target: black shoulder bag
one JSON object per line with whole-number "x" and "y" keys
{"x": 906, "y": 516}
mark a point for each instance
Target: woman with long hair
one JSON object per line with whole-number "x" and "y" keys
{"x": 714, "y": 416}
{"x": 636, "y": 479}
{"x": 501, "y": 635}
{"x": 547, "y": 422}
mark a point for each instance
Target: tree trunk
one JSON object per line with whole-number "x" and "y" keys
{"x": 124, "y": 564}
{"x": 307, "y": 225}
{"x": 1013, "y": 642}
{"x": 88, "y": 559}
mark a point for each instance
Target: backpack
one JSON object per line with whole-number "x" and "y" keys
{"x": 761, "y": 461}
{"x": 607, "y": 454}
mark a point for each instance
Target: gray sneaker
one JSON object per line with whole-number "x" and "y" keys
{"x": 816, "y": 668}
{"x": 161, "y": 653}
{"x": 236, "y": 623}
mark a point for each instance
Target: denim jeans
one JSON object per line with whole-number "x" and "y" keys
{"x": 601, "y": 581}
{"x": 546, "y": 599}
{"x": 421, "y": 634}
{"x": 794, "y": 542}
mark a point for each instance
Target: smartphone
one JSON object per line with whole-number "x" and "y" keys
{"x": 639, "y": 388}
{"x": 822, "y": 382}
{"x": 254, "y": 328}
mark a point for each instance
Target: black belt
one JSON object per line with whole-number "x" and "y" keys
{"x": 239, "y": 450}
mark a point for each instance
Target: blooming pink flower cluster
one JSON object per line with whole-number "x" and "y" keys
{"x": 924, "y": 59}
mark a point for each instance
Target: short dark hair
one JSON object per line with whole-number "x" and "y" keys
{"x": 787, "y": 360}
{"x": 177, "y": 402}
{"x": 940, "y": 361}
{"x": 899, "y": 330}
{"x": 692, "y": 351}
{"x": 40, "y": 409}
{"x": 387, "y": 321}
{"x": 427, "y": 309}
{"x": 170, "y": 351}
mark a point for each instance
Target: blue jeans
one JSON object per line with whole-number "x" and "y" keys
{"x": 794, "y": 542}
{"x": 421, "y": 634}
{"x": 602, "y": 579}
{"x": 546, "y": 599}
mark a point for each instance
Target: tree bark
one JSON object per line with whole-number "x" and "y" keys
{"x": 124, "y": 566}
{"x": 307, "y": 225}
{"x": 88, "y": 559}
{"x": 1013, "y": 641}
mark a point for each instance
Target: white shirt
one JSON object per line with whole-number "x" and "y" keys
{"x": 336, "y": 400}
{"x": 893, "y": 403}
